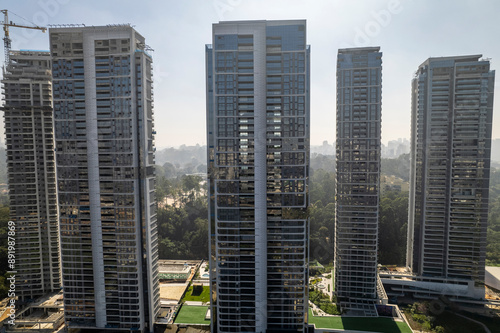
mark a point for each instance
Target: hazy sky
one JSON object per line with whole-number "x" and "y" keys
{"x": 408, "y": 32}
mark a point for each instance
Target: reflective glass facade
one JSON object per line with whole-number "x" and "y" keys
{"x": 258, "y": 159}
{"x": 452, "y": 106}
{"x": 104, "y": 132}
{"x": 29, "y": 136}
{"x": 359, "y": 93}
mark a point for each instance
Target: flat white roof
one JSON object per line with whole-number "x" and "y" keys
{"x": 495, "y": 271}
{"x": 492, "y": 277}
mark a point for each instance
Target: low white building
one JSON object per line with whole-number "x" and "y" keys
{"x": 492, "y": 277}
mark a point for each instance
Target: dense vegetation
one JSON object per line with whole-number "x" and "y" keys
{"x": 323, "y": 302}
{"x": 183, "y": 222}
{"x": 183, "y": 226}
{"x": 399, "y": 167}
{"x": 393, "y": 228}
{"x": 493, "y": 238}
{"x": 437, "y": 318}
{"x": 321, "y": 216}
{"x": 182, "y": 161}
{"x": 393, "y": 214}
{"x": 323, "y": 162}
{"x": 421, "y": 318}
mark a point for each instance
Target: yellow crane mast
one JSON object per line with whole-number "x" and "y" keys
{"x": 6, "y": 40}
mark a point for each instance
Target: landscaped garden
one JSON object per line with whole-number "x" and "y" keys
{"x": 198, "y": 294}
{"x": 323, "y": 302}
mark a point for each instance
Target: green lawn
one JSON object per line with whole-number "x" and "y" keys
{"x": 203, "y": 297}
{"x": 190, "y": 314}
{"x": 383, "y": 325}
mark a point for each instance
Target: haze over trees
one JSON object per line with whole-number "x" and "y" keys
{"x": 183, "y": 213}
{"x": 183, "y": 227}
{"x": 183, "y": 224}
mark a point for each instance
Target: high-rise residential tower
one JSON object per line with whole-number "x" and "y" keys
{"x": 29, "y": 132}
{"x": 451, "y": 120}
{"x": 103, "y": 107}
{"x": 359, "y": 86}
{"x": 258, "y": 159}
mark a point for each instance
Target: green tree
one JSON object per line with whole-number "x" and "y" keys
{"x": 322, "y": 186}
{"x": 191, "y": 183}
{"x": 393, "y": 228}
{"x": 198, "y": 239}
{"x": 183, "y": 228}
{"x": 321, "y": 240}
{"x": 163, "y": 188}
{"x": 169, "y": 170}
{"x": 399, "y": 167}
{"x": 4, "y": 216}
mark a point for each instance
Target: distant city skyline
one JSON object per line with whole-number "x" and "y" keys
{"x": 408, "y": 31}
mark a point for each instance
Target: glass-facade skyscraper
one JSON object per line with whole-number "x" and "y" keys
{"x": 451, "y": 121}
{"x": 104, "y": 134}
{"x": 258, "y": 162}
{"x": 29, "y": 136}
{"x": 359, "y": 93}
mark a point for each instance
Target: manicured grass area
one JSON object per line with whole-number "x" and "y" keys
{"x": 190, "y": 314}
{"x": 383, "y": 325}
{"x": 203, "y": 297}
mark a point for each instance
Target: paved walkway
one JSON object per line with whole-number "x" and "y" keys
{"x": 325, "y": 282}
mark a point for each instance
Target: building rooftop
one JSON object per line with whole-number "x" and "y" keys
{"x": 351, "y": 324}
{"x": 464, "y": 58}
{"x": 193, "y": 314}
{"x": 185, "y": 268}
{"x": 360, "y": 49}
{"x": 269, "y": 22}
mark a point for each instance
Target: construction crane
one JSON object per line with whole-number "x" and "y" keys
{"x": 6, "y": 40}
